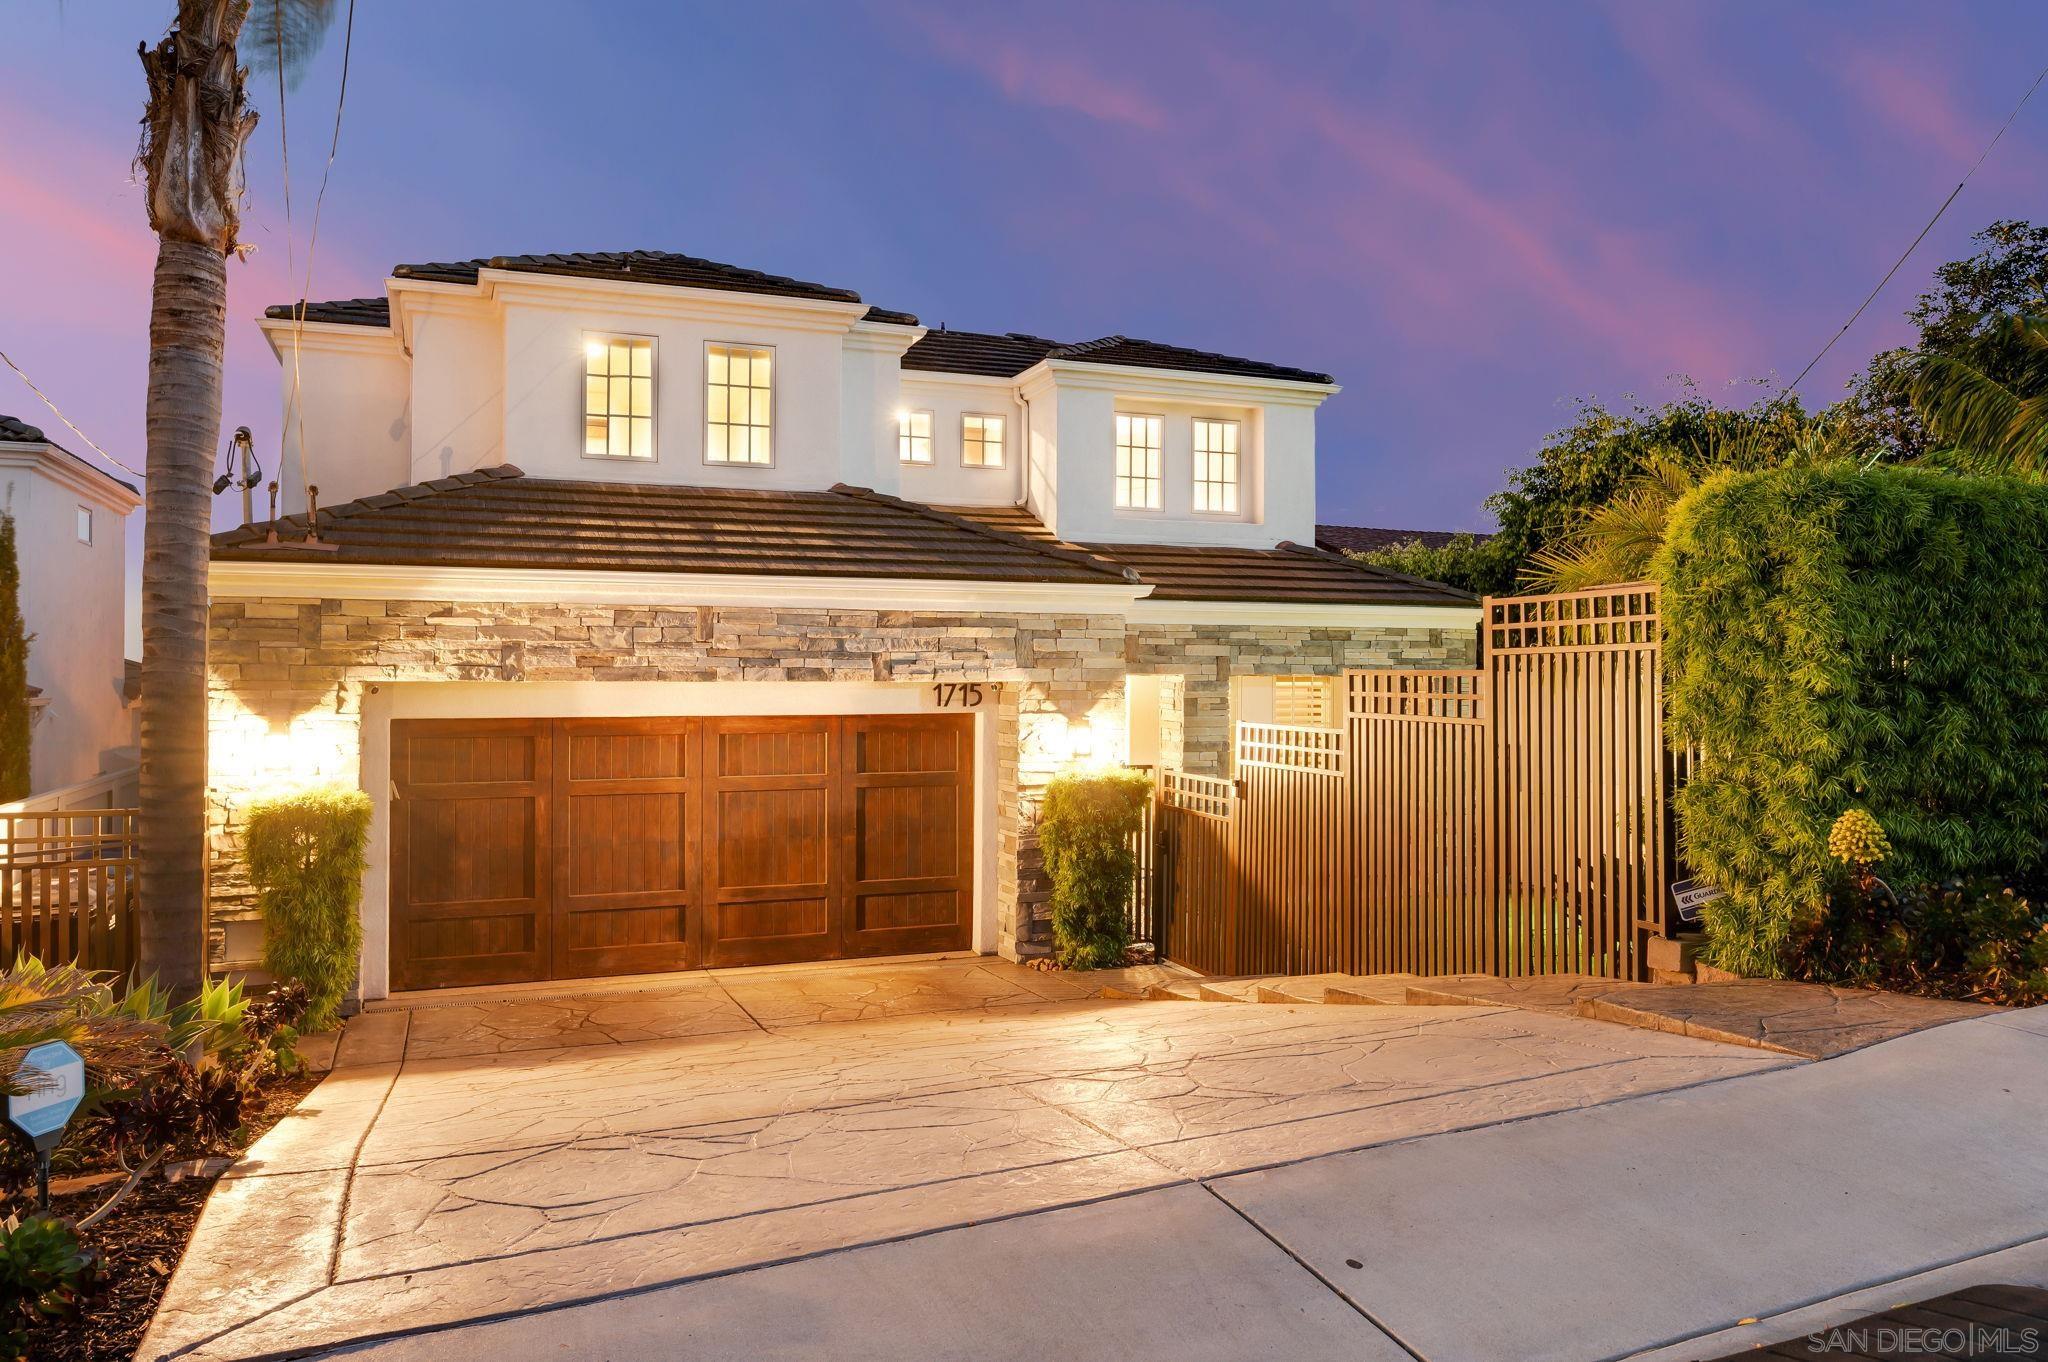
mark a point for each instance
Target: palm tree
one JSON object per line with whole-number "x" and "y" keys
{"x": 1981, "y": 424}
{"x": 1615, "y": 542}
{"x": 194, "y": 127}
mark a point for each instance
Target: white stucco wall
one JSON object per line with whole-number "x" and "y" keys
{"x": 354, "y": 406}
{"x": 946, "y": 481}
{"x": 73, "y": 604}
{"x": 470, "y": 377}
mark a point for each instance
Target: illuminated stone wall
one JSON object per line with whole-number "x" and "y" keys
{"x": 288, "y": 676}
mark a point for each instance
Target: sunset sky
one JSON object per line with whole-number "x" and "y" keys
{"x": 1469, "y": 213}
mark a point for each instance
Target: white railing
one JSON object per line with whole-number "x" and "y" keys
{"x": 116, "y": 789}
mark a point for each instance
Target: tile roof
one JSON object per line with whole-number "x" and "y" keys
{"x": 1364, "y": 538}
{"x": 18, "y": 431}
{"x": 499, "y": 518}
{"x": 951, "y": 352}
{"x": 1290, "y": 573}
{"x": 976, "y": 352}
{"x": 648, "y": 267}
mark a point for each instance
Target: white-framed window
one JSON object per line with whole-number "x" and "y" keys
{"x": 739, "y": 404}
{"x": 1138, "y": 443}
{"x": 1216, "y": 466}
{"x": 1304, "y": 701}
{"x": 981, "y": 440}
{"x": 914, "y": 437}
{"x": 85, "y": 524}
{"x": 618, "y": 397}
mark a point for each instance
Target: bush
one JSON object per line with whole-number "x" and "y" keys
{"x": 1980, "y": 940}
{"x": 44, "y": 1274}
{"x": 1841, "y": 638}
{"x": 14, "y": 641}
{"x": 306, "y": 853}
{"x": 1085, "y": 828}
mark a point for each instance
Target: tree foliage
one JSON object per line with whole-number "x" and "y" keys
{"x": 14, "y": 641}
{"x": 1869, "y": 638}
{"x": 1961, "y": 318}
{"x": 1085, "y": 828}
{"x": 306, "y": 853}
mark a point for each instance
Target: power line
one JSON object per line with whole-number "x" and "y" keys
{"x": 65, "y": 419}
{"x": 319, "y": 200}
{"x": 1918, "y": 239}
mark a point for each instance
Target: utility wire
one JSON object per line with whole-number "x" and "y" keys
{"x": 1918, "y": 239}
{"x": 65, "y": 419}
{"x": 319, "y": 200}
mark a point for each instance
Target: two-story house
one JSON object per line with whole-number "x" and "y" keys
{"x": 676, "y": 614}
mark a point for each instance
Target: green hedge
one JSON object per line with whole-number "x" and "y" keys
{"x": 1085, "y": 827}
{"x": 1843, "y": 638}
{"x": 306, "y": 852}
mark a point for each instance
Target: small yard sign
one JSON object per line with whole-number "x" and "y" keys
{"x": 1689, "y": 896}
{"x": 53, "y": 1076}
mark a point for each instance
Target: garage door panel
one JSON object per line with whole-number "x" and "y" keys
{"x": 626, "y": 900}
{"x": 572, "y": 847}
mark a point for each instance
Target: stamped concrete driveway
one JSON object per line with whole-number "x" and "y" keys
{"x": 949, "y": 1159}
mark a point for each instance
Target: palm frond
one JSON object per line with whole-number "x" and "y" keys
{"x": 1984, "y": 425}
{"x": 286, "y": 34}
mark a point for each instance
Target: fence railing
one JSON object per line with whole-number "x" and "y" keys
{"x": 67, "y": 887}
{"x": 1507, "y": 819}
{"x": 119, "y": 789}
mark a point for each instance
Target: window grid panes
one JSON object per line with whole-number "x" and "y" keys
{"x": 618, "y": 397}
{"x": 981, "y": 441}
{"x": 1216, "y": 466}
{"x": 85, "y": 524}
{"x": 914, "y": 437}
{"x": 738, "y": 404}
{"x": 1138, "y": 440}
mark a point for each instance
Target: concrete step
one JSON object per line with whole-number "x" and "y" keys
{"x": 1370, "y": 990}
{"x": 1185, "y": 991}
{"x": 1557, "y": 994}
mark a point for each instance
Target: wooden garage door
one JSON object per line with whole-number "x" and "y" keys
{"x": 534, "y": 849}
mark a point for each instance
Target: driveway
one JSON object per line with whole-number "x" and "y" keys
{"x": 966, "y": 1159}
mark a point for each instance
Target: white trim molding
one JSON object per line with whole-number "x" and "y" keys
{"x": 370, "y": 581}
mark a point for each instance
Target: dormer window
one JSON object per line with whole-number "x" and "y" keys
{"x": 1216, "y": 465}
{"x": 739, "y": 404}
{"x": 618, "y": 397}
{"x": 914, "y": 437}
{"x": 981, "y": 441}
{"x": 1138, "y": 442}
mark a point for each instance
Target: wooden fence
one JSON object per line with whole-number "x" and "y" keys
{"x": 67, "y": 887}
{"x": 1510, "y": 819}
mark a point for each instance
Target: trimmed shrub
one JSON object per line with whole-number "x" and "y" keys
{"x": 1085, "y": 828}
{"x": 306, "y": 852}
{"x": 1844, "y": 639}
{"x": 14, "y": 641}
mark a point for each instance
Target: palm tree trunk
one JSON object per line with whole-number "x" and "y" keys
{"x": 187, "y": 332}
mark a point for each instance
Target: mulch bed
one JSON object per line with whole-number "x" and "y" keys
{"x": 141, "y": 1243}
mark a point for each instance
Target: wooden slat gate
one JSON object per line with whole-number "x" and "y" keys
{"x": 67, "y": 888}
{"x": 1510, "y": 819}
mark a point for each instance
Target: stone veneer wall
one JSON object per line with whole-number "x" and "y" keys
{"x": 288, "y": 675}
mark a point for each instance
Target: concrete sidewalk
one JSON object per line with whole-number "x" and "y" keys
{"x": 1648, "y": 1226}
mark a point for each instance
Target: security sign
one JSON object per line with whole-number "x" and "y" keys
{"x": 53, "y": 1077}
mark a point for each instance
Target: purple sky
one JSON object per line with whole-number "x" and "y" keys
{"x": 1469, "y": 213}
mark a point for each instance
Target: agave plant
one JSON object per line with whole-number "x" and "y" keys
{"x": 1984, "y": 425}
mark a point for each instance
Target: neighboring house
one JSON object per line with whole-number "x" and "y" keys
{"x": 71, "y": 543}
{"x": 1365, "y": 538}
{"x": 677, "y": 614}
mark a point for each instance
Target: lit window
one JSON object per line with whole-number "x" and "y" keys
{"x": 85, "y": 524}
{"x": 618, "y": 397}
{"x": 914, "y": 437}
{"x": 1137, "y": 461}
{"x": 981, "y": 441}
{"x": 1302, "y": 701}
{"x": 738, "y": 404}
{"x": 1216, "y": 466}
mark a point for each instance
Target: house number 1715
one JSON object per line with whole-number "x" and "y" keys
{"x": 960, "y": 694}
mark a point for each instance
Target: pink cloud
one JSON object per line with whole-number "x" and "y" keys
{"x": 1049, "y": 80}
{"x": 1914, "y": 102}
